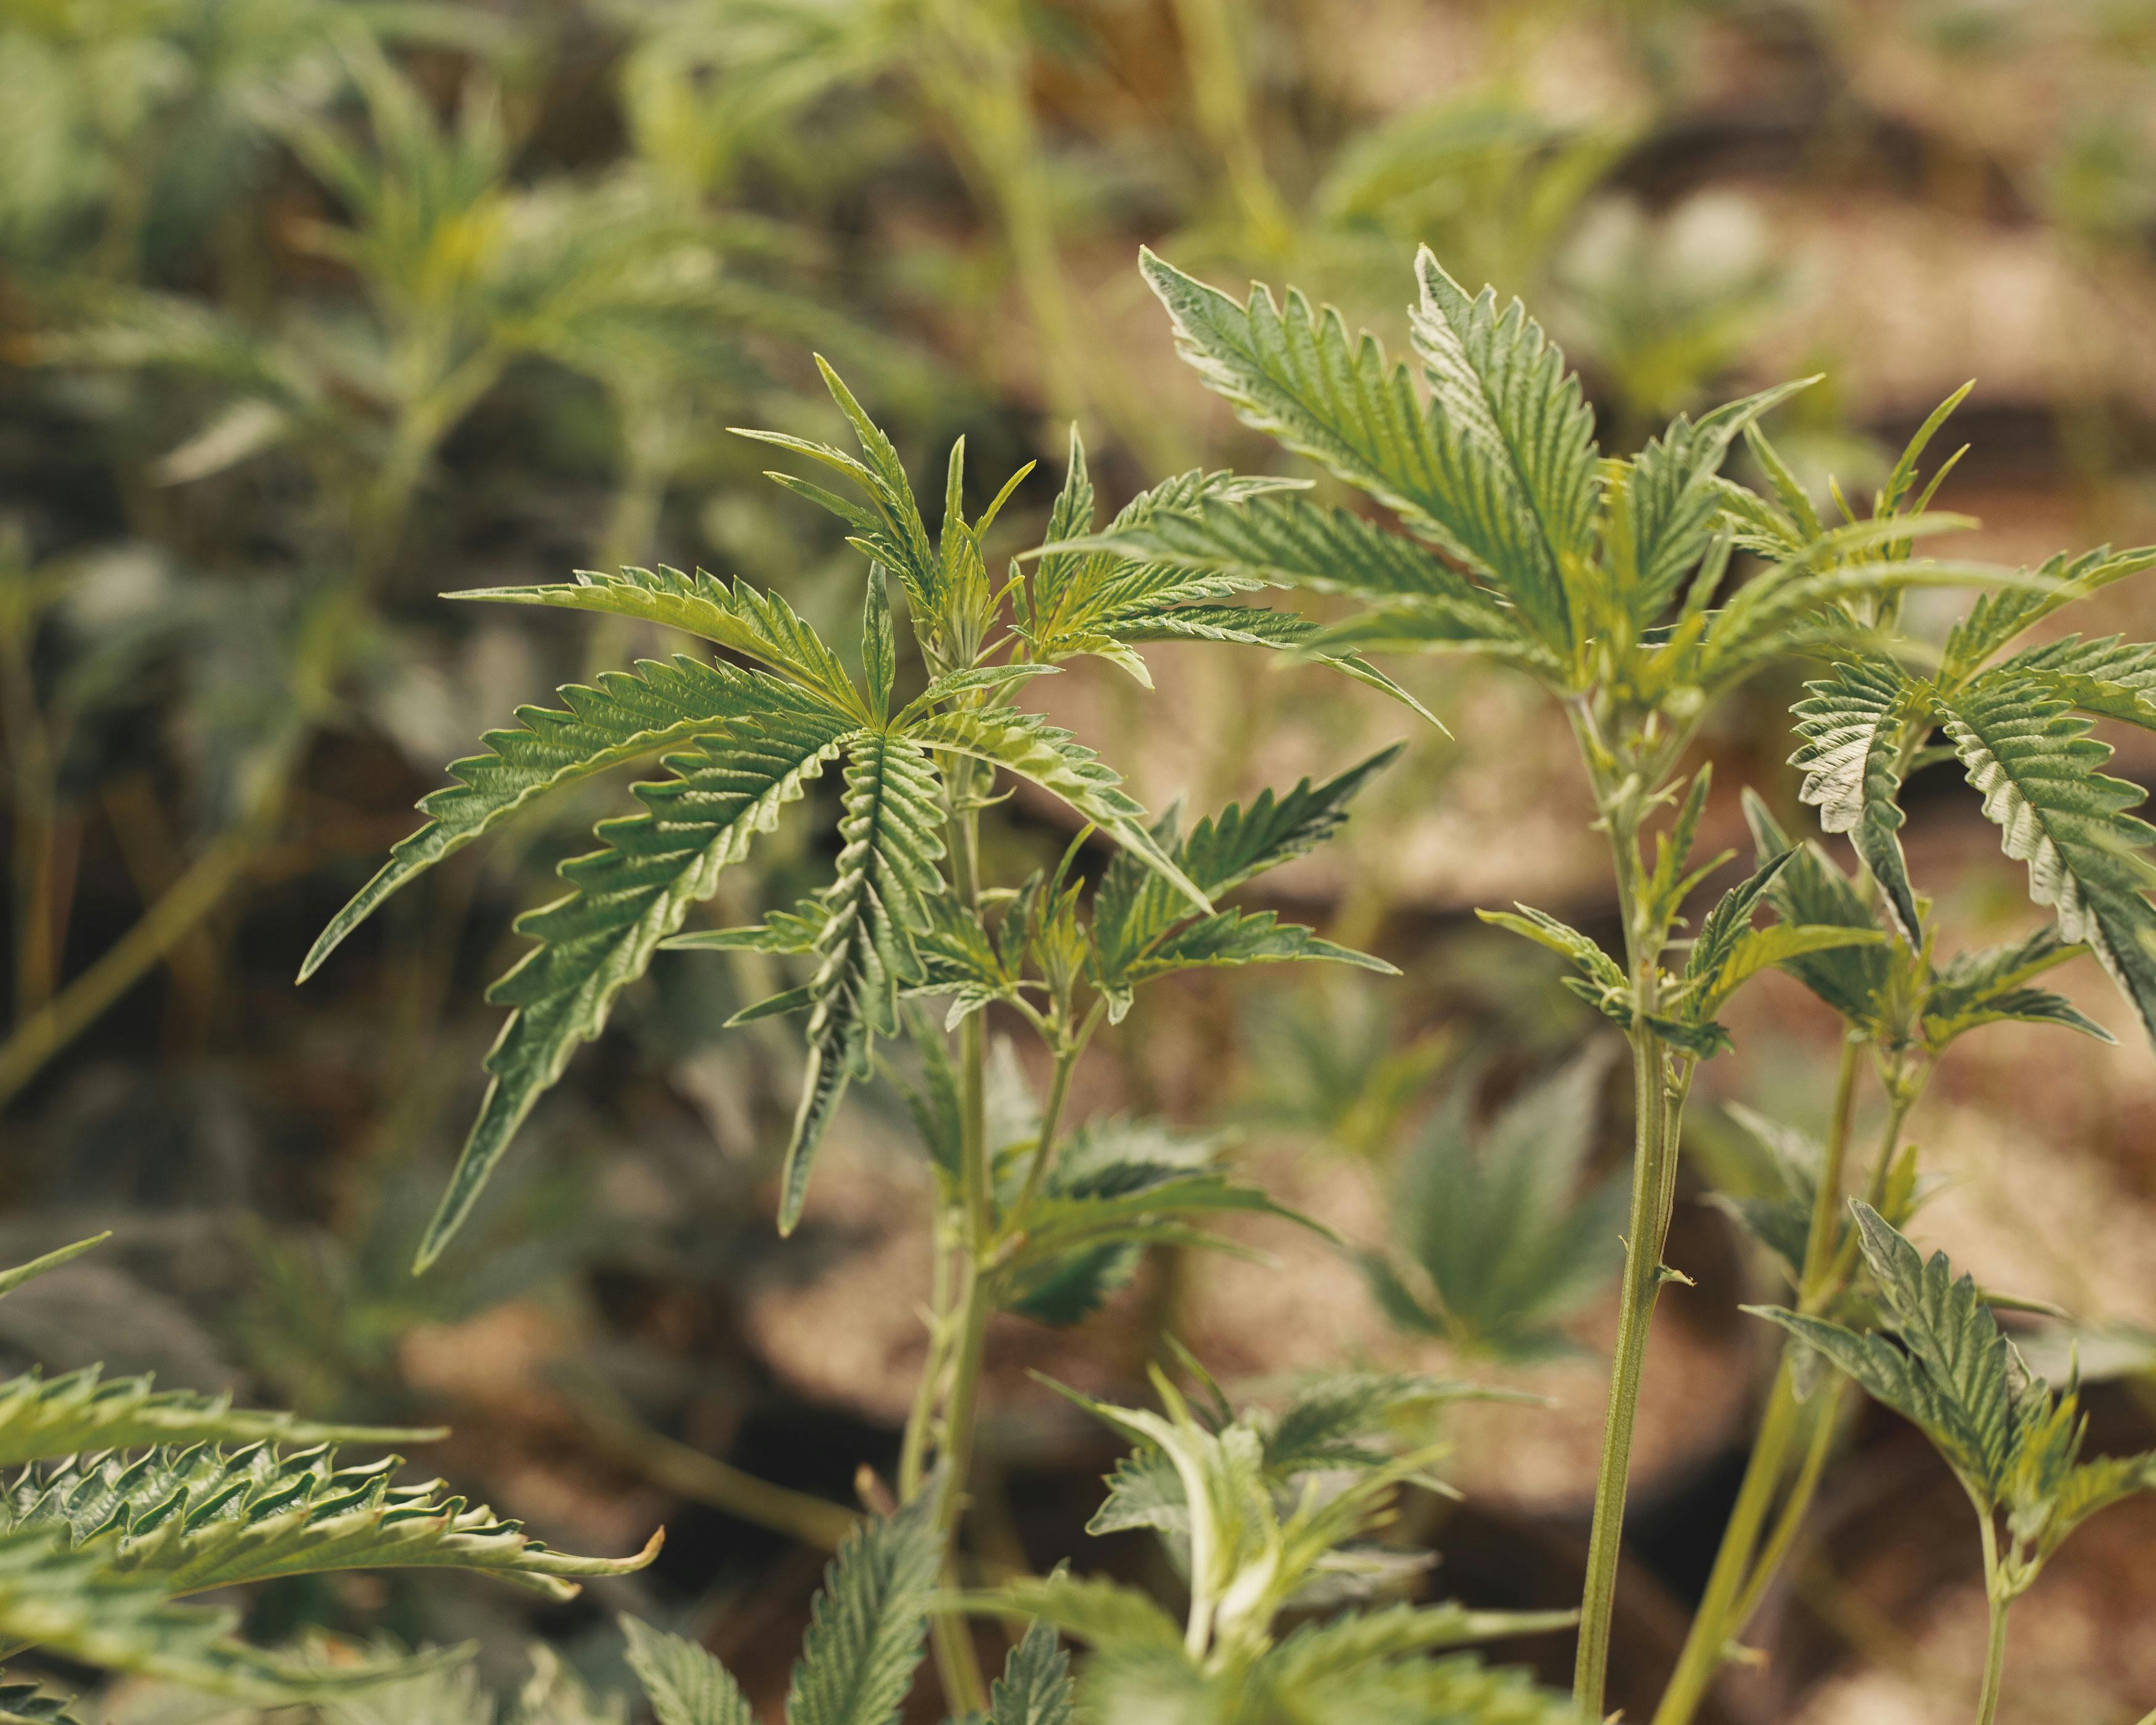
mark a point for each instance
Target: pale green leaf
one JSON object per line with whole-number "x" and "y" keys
{"x": 71, "y": 1604}
{"x": 1853, "y": 729}
{"x": 2037, "y": 767}
{"x": 867, "y": 1626}
{"x": 47, "y": 1419}
{"x": 686, "y": 1685}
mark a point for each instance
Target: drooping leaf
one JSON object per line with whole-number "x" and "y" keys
{"x": 1853, "y": 729}
{"x": 875, "y": 907}
{"x": 201, "y": 1518}
{"x": 2037, "y": 768}
{"x": 70, "y": 1604}
{"x": 627, "y": 898}
{"x": 623, "y": 718}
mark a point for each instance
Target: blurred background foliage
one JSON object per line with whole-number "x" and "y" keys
{"x": 310, "y": 311}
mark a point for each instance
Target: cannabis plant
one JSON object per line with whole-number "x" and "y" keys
{"x": 124, "y": 1499}
{"x": 1494, "y": 1243}
{"x": 1936, "y": 1356}
{"x": 1272, "y": 1508}
{"x": 1902, "y": 1007}
{"x": 1044, "y": 1222}
{"x": 1612, "y": 581}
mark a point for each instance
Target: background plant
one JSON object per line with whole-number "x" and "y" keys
{"x": 1605, "y": 583}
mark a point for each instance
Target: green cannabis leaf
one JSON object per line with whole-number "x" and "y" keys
{"x": 1494, "y": 1241}
{"x": 1942, "y": 1363}
{"x": 201, "y": 1517}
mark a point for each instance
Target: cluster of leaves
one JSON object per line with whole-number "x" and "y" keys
{"x": 1269, "y": 1511}
{"x": 129, "y": 1498}
{"x": 2018, "y": 724}
{"x": 741, "y": 742}
{"x": 1068, "y": 1232}
{"x": 1287, "y": 1501}
{"x": 1494, "y": 1243}
{"x": 1938, "y": 1358}
{"x": 1895, "y": 994}
{"x": 1521, "y": 545}
{"x": 1729, "y": 952}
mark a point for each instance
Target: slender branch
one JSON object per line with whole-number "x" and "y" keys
{"x": 1736, "y": 1582}
{"x": 1827, "y": 1421}
{"x": 956, "y": 1663}
{"x": 1704, "y": 1647}
{"x": 1825, "y": 1233}
{"x": 913, "y": 1451}
{"x": 1059, "y": 1091}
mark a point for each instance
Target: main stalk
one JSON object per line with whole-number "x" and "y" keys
{"x": 1658, "y": 1112}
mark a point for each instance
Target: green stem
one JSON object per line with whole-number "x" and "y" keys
{"x": 1709, "y": 1636}
{"x": 1067, "y": 1051}
{"x": 1825, "y": 1233}
{"x": 1827, "y": 1421}
{"x": 1995, "y": 1650}
{"x": 913, "y": 1452}
{"x": 1739, "y": 1579}
{"x": 1658, "y": 1114}
{"x": 1718, "y": 1619}
{"x": 956, "y": 1663}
